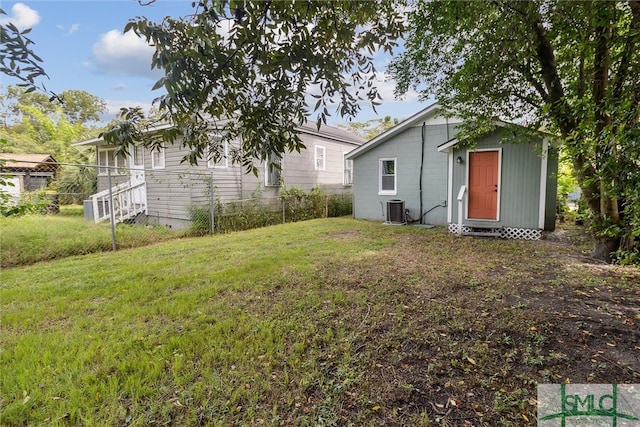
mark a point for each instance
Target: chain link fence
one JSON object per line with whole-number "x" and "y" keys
{"x": 85, "y": 208}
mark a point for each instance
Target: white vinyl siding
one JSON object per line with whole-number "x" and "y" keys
{"x": 157, "y": 158}
{"x": 387, "y": 177}
{"x": 320, "y": 157}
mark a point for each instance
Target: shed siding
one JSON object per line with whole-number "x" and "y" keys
{"x": 406, "y": 148}
{"x": 519, "y": 182}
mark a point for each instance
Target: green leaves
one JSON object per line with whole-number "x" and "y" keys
{"x": 17, "y": 60}
{"x": 254, "y": 65}
{"x": 569, "y": 67}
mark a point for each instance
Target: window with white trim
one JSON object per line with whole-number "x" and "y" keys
{"x": 348, "y": 172}
{"x": 137, "y": 156}
{"x": 387, "y": 177}
{"x": 106, "y": 160}
{"x": 320, "y": 157}
{"x": 273, "y": 174}
{"x": 223, "y": 161}
{"x": 157, "y": 157}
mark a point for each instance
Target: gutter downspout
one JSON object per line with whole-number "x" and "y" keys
{"x": 421, "y": 166}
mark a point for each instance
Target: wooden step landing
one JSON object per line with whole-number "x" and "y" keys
{"x": 481, "y": 231}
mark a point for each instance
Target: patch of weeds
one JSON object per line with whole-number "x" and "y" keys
{"x": 514, "y": 406}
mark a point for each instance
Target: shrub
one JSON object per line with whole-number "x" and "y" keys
{"x": 340, "y": 205}
{"x": 30, "y": 202}
{"x": 256, "y": 212}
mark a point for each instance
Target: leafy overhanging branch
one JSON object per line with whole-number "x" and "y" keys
{"x": 571, "y": 67}
{"x": 252, "y": 66}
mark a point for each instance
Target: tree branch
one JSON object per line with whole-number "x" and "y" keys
{"x": 525, "y": 70}
{"x": 553, "y": 84}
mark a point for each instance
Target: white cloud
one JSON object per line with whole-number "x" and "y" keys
{"x": 73, "y": 29}
{"x": 114, "y": 106}
{"x": 119, "y": 87}
{"x": 22, "y": 16}
{"x": 386, "y": 88}
{"x": 118, "y": 54}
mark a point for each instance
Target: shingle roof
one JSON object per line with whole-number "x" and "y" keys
{"x": 27, "y": 161}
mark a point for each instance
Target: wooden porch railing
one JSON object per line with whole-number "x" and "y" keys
{"x": 128, "y": 201}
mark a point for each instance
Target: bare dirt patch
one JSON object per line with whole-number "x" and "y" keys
{"x": 464, "y": 329}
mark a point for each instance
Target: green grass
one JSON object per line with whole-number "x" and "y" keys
{"x": 34, "y": 238}
{"x": 323, "y": 322}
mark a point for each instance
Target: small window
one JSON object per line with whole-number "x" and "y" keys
{"x": 137, "y": 156}
{"x": 273, "y": 170}
{"x": 387, "y": 177}
{"x": 348, "y": 172}
{"x": 320, "y": 158}
{"x": 223, "y": 161}
{"x": 107, "y": 160}
{"x": 157, "y": 158}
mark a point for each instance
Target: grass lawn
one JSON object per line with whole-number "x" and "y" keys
{"x": 323, "y": 322}
{"x": 35, "y": 238}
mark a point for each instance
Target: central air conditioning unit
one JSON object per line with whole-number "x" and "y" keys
{"x": 396, "y": 214}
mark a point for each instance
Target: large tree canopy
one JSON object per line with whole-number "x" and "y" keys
{"x": 570, "y": 67}
{"x": 78, "y": 106}
{"x": 259, "y": 65}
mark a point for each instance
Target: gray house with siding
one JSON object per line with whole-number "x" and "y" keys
{"x": 161, "y": 187}
{"x": 420, "y": 172}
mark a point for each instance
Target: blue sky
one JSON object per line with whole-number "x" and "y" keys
{"x": 83, "y": 47}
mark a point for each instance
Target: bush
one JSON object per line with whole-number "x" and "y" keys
{"x": 256, "y": 212}
{"x": 300, "y": 206}
{"x": 30, "y": 202}
{"x": 340, "y": 205}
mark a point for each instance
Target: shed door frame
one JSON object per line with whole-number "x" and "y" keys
{"x": 466, "y": 214}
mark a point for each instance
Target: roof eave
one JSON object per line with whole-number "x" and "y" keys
{"x": 99, "y": 141}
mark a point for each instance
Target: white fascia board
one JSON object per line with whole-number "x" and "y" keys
{"x": 544, "y": 165}
{"x": 445, "y": 147}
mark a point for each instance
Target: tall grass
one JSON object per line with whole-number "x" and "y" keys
{"x": 33, "y": 238}
{"x": 198, "y": 331}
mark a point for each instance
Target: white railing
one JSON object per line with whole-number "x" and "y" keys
{"x": 463, "y": 189}
{"x": 128, "y": 201}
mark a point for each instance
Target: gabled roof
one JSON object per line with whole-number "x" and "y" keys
{"x": 331, "y": 132}
{"x": 27, "y": 161}
{"x": 100, "y": 141}
{"x": 325, "y": 131}
{"x": 412, "y": 121}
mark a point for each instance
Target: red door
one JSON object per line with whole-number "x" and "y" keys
{"x": 483, "y": 185}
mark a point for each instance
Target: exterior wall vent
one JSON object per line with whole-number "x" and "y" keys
{"x": 395, "y": 212}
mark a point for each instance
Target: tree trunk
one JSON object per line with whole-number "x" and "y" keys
{"x": 604, "y": 246}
